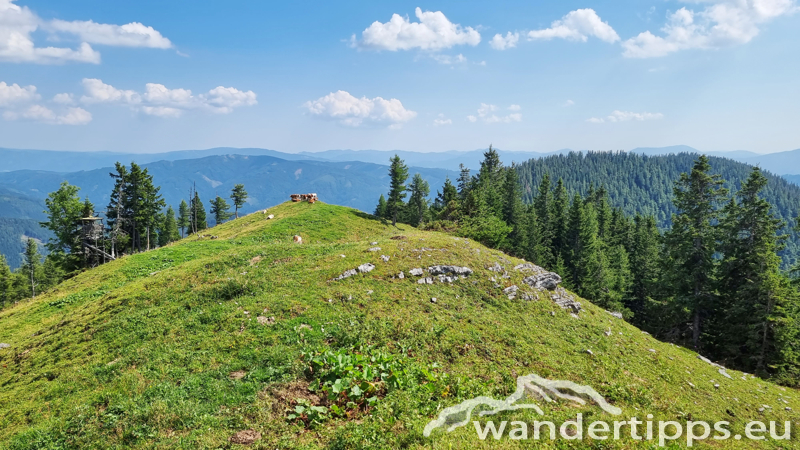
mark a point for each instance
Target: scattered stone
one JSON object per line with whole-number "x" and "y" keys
{"x": 511, "y": 292}
{"x": 374, "y": 249}
{"x": 547, "y": 280}
{"x": 401, "y": 276}
{"x": 589, "y": 352}
{"x": 447, "y": 279}
{"x": 618, "y": 315}
{"x": 761, "y": 410}
{"x": 690, "y": 384}
{"x": 553, "y": 313}
{"x": 346, "y": 274}
{"x": 238, "y": 375}
{"x": 706, "y": 360}
{"x": 343, "y": 256}
{"x": 716, "y": 385}
{"x": 416, "y": 272}
{"x": 367, "y": 267}
{"x": 444, "y": 270}
{"x": 433, "y": 300}
{"x": 608, "y": 333}
{"x": 427, "y": 280}
{"x": 496, "y": 267}
{"x": 373, "y": 243}
{"x": 526, "y": 296}
{"x": 369, "y": 292}
{"x": 788, "y": 409}
{"x": 270, "y": 217}
{"x": 528, "y": 267}
{"x": 725, "y": 374}
{"x": 563, "y": 299}
{"x": 4, "y": 345}
{"x": 652, "y": 350}
{"x": 385, "y": 258}
{"x": 245, "y": 437}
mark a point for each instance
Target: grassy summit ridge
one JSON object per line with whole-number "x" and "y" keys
{"x": 164, "y": 350}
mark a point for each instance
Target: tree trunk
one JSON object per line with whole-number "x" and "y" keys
{"x": 765, "y": 331}
{"x": 696, "y": 329}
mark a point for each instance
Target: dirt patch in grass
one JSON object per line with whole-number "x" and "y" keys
{"x": 285, "y": 395}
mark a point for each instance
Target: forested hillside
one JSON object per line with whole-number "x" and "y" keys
{"x": 643, "y": 184}
{"x": 19, "y": 218}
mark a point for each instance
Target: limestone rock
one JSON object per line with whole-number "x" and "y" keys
{"x": 511, "y": 292}
{"x": 547, "y": 280}
{"x": 496, "y": 267}
{"x": 448, "y": 270}
{"x": 385, "y": 258}
{"x": 375, "y": 249}
{"x": 416, "y": 272}
{"x": 367, "y": 267}
{"x": 4, "y": 345}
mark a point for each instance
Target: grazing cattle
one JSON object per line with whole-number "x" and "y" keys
{"x": 298, "y": 239}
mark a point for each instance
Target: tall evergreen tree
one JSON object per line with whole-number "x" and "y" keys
{"x": 398, "y": 172}
{"x": 31, "y": 264}
{"x": 197, "y": 214}
{"x": 490, "y": 180}
{"x": 559, "y": 219}
{"x": 543, "y": 206}
{"x": 169, "y": 228}
{"x": 514, "y": 212}
{"x": 5, "y": 282}
{"x": 751, "y": 286}
{"x": 220, "y": 209}
{"x": 692, "y": 241}
{"x": 381, "y": 208}
{"x": 464, "y": 181}
{"x": 184, "y": 217}
{"x": 239, "y": 197}
{"x": 446, "y": 203}
{"x": 418, "y": 201}
{"x": 645, "y": 268}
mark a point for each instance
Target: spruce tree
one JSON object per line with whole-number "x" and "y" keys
{"x": 184, "y": 217}
{"x": 559, "y": 220}
{"x": 750, "y": 281}
{"x": 220, "y": 209}
{"x": 514, "y": 212}
{"x": 490, "y": 179}
{"x": 239, "y": 197}
{"x": 645, "y": 268}
{"x": 692, "y": 242}
{"x": 543, "y": 205}
{"x": 418, "y": 201}
{"x": 169, "y": 229}
{"x": 398, "y": 172}
{"x": 447, "y": 201}
{"x": 31, "y": 264}
{"x": 197, "y": 214}
{"x": 381, "y": 208}
{"x": 5, "y": 282}
{"x": 464, "y": 181}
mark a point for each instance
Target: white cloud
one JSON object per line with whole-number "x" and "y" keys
{"x": 160, "y": 101}
{"x": 18, "y": 23}
{"x": 64, "y": 99}
{"x": 75, "y": 116}
{"x": 499, "y": 42}
{"x": 11, "y": 94}
{"x": 578, "y": 25}
{"x": 351, "y": 111}
{"x": 568, "y": 103}
{"x": 722, "y": 24}
{"x": 441, "y": 120}
{"x": 486, "y": 113}
{"x": 449, "y": 60}
{"x": 434, "y": 31}
{"x": 133, "y": 34}
{"x": 625, "y": 116}
{"x": 98, "y": 92}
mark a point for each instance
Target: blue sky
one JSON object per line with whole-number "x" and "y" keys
{"x": 295, "y": 76}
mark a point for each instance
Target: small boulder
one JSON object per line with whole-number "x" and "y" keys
{"x": 346, "y": 274}
{"x": 416, "y": 272}
{"x": 433, "y": 300}
{"x": 511, "y": 292}
{"x": 496, "y": 267}
{"x": 367, "y": 267}
{"x": 271, "y": 216}
{"x": 401, "y": 276}
{"x": 547, "y": 280}
{"x": 427, "y": 280}
{"x": 447, "y": 270}
{"x": 618, "y": 315}
{"x": 385, "y": 258}
{"x": 4, "y": 345}
{"x": 374, "y": 249}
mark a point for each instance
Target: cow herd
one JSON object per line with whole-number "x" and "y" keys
{"x": 310, "y": 198}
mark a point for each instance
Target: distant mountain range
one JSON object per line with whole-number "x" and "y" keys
{"x": 781, "y": 163}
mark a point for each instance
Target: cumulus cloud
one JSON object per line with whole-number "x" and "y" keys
{"x": 133, "y": 34}
{"x": 722, "y": 24}
{"x": 18, "y": 23}
{"x": 20, "y": 102}
{"x": 348, "y": 110}
{"x": 11, "y": 94}
{"x": 449, "y": 60}
{"x": 625, "y": 116}
{"x": 441, "y": 120}
{"x": 434, "y": 31}
{"x": 160, "y": 101}
{"x": 499, "y": 42}
{"x": 486, "y": 114}
{"x": 578, "y": 25}
{"x": 64, "y": 98}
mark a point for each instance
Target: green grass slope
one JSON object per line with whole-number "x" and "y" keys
{"x": 164, "y": 350}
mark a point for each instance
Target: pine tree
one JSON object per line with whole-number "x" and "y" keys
{"x": 645, "y": 268}
{"x": 446, "y": 203}
{"x": 692, "y": 241}
{"x": 490, "y": 180}
{"x": 750, "y": 281}
{"x": 197, "y": 214}
{"x": 418, "y": 201}
{"x": 184, "y": 219}
{"x": 381, "y": 208}
{"x": 31, "y": 263}
{"x": 464, "y": 181}
{"x": 398, "y": 172}
{"x": 559, "y": 220}
{"x": 514, "y": 212}
{"x": 5, "y": 282}
{"x": 169, "y": 228}
{"x": 64, "y": 211}
{"x": 220, "y": 209}
{"x": 543, "y": 205}
{"x": 239, "y": 197}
